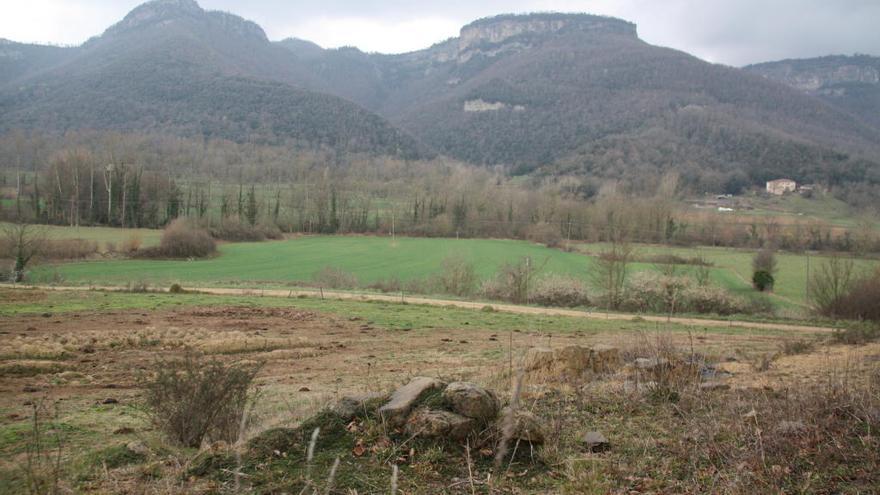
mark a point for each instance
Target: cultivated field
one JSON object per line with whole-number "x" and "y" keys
{"x": 79, "y": 356}
{"x": 374, "y": 259}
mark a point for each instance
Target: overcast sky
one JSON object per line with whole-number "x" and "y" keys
{"x": 734, "y": 32}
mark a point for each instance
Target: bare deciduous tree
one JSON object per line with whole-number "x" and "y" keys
{"x": 611, "y": 269}
{"x": 22, "y": 241}
{"x": 829, "y": 284}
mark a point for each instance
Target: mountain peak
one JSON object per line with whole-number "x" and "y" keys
{"x": 156, "y": 12}
{"x": 167, "y": 12}
{"x": 497, "y": 28}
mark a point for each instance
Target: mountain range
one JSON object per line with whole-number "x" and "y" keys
{"x": 543, "y": 94}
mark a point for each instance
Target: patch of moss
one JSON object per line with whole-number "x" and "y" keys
{"x": 117, "y": 456}
{"x": 274, "y": 440}
{"x": 214, "y": 465}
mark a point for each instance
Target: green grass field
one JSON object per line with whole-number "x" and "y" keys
{"x": 277, "y": 263}
{"x": 732, "y": 268}
{"x": 280, "y": 262}
{"x": 102, "y": 235}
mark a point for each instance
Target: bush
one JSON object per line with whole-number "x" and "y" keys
{"x": 763, "y": 280}
{"x": 458, "y": 277}
{"x": 181, "y": 239}
{"x": 194, "y": 398}
{"x": 334, "y": 278}
{"x": 176, "y": 289}
{"x": 711, "y": 299}
{"x": 652, "y": 292}
{"x": 512, "y": 282}
{"x": 131, "y": 244}
{"x": 862, "y": 300}
{"x": 544, "y": 233}
{"x": 68, "y": 249}
{"x": 829, "y": 284}
{"x": 390, "y": 284}
{"x": 764, "y": 261}
{"x": 795, "y": 347}
{"x": 560, "y": 291}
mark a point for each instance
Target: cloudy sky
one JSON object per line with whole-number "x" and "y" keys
{"x": 734, "y": 32}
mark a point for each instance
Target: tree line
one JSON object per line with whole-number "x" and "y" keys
{"x": 148, "y": 181}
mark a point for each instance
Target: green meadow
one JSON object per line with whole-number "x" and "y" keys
{"x": 371, "y": 259}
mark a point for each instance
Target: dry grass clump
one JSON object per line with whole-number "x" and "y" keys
{"x": 805, "y": 438}
{"x": 35, "y": 348}
{"x": 664, "y": 369}
{"x": 193, "y": 398}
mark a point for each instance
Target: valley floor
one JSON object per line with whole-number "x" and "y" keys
{"x": 81, "y": 354}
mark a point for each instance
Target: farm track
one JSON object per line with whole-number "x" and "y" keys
{"x": 508, "y": 308}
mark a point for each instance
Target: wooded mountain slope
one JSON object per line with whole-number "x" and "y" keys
{"x": 172, "y": 67}
{"x": 851, "y": 83}
{"x": 545, "y": 93}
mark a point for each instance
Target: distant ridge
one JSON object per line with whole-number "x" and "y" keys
{"x": 548, "y": 94}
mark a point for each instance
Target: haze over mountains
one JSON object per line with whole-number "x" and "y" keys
{"x": 545, "y": 93}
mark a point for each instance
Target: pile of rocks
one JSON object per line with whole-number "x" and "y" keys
{"x": 431, "y": 408}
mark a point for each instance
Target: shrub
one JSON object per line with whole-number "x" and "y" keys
{"x": 512, "y": 282}
{"x": 184, "y": 240}
{"x": 390, "y": 284}
{"x": 862, "y": 300}
{"x": 334, "y": 278}
{"x": 711, "y": 299}
{"x": 795, "y": 347}
{"x": 131, "y": 244}
{"x": 194, "y": 398}
{"x": 765, "y": 261}
{"x": 757, "y": 303}
{"x": 652, "y": 292}
{"x": 181, "y": 239}
{"x": 544, "y": 233}
{"x": 763, "y": 280}
{"x": 828, "y": 285}
{"x": 560, "y": 291}
{"x": 458, "y": 277}
{"x": 68, "y": 249}
{"x": 176, "y": 289}
{"x": 858, "y": 335}
{"x": 138, "y": 287}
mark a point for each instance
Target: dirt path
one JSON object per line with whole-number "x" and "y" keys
{"x": 508, "y": 308}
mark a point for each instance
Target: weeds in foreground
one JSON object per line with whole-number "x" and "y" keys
{"x": 195, "y": 398}
{"x": 795, "y": 347}
{"x": 43, "y": 452}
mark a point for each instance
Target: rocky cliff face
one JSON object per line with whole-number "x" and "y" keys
{"x": 822, "y": 75}
{"x": 499, "y": 35}
{"x": 851, "y": 83}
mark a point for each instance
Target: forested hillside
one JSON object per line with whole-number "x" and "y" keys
{"x": 171, "y": 67}
{"x": 551, "y": 95}
{"x": 851, "y": 83}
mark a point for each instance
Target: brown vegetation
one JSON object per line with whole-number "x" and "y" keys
{"x": 182, "y": 239}
{"x": 195, "y": 398}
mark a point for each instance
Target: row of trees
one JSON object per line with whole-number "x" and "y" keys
{"x": 142, "y": 181}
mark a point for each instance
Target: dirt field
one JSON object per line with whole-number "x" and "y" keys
{"x": 87, "y": 363}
